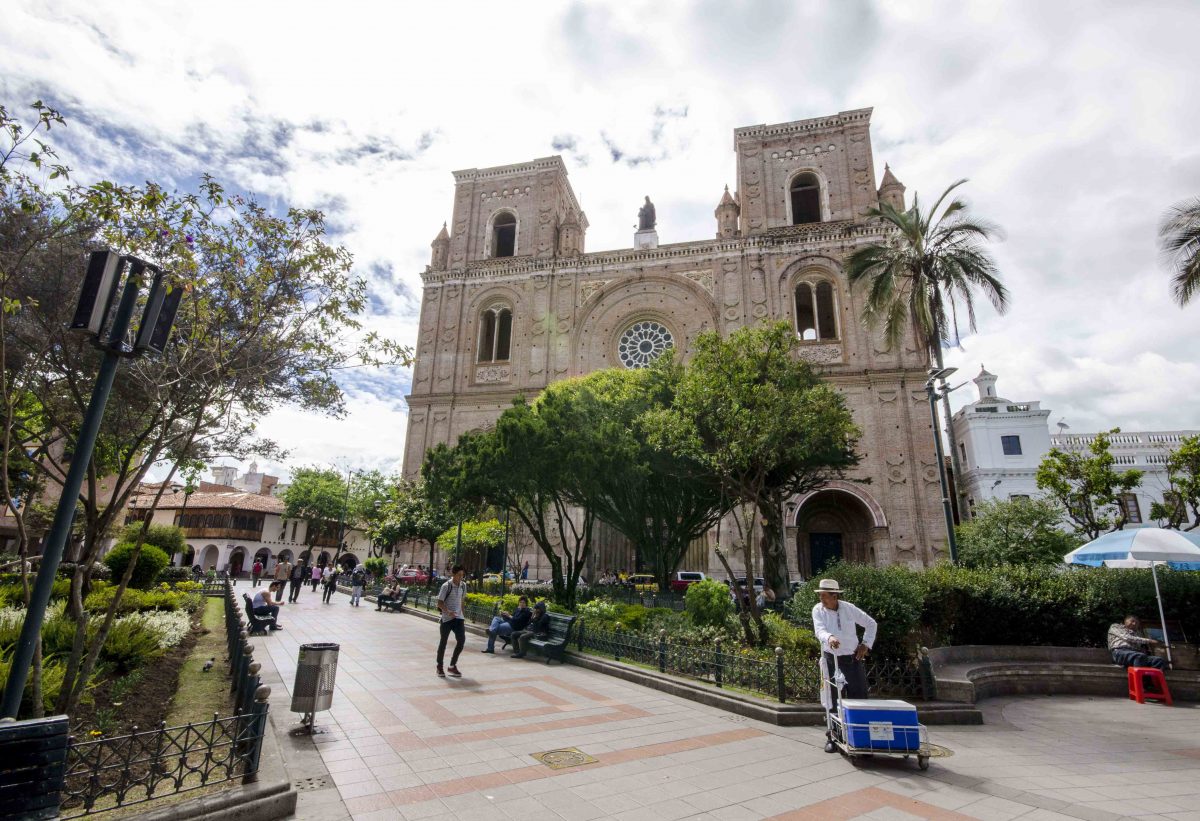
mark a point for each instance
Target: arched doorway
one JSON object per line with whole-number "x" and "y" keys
{"x": 348, "y": 561}
{"x": 323, "y": 559}
{"x": 834, "y": 524}
{"x": 188, "y": 557}
{"x": 236, "y": 560}
{"x": 209, "y": 556}
{"x": 264, "y": 556}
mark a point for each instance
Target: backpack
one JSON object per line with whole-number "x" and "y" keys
{"x": 358, "y": 576}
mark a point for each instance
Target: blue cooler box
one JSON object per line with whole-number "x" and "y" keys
{"x": 881, "y": 725}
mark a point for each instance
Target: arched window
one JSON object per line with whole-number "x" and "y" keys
{"x": 816, "y": 314}
{"x": 806, "y": 199}
{"x": 504, "y": 235}
{"x": 495, "y": 334}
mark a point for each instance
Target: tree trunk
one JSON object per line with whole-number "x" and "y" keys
{"x": 743, "y": 614}
{"x": 775, "y": 570}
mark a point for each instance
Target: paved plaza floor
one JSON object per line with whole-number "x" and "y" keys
{"x": 401, "y": 743}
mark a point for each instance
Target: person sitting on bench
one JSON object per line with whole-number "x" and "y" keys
{"x": 1129, "y": 648}
{"x": 539, "y": 627}
{"x": 262, "y": 605}
{"x": 506, "y": 624}
{"x": 388, "y": 595}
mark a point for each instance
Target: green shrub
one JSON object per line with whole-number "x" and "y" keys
{"x": 54, "y": 672}
{"x": 789, "y": 636}
{"x": 708, "y": 603}
{"x": 12, "y": 594}
{"x": 131, "y": 644}
{"x": 376, "y": 566}
{"x": 174, "y": 575}
{"x": 891, "y": 595}
{"x": 150, "y": 563}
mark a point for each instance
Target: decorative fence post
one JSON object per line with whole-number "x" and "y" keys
{"x": 662, "y": 651}
{"x": 617, "y": 643}
{"x": 719, "y": 672}
{"x": 780, "y": 687}
{"x": 579, "y": 636}
{"x": 257, "y": 727}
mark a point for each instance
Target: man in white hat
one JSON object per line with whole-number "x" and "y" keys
{"x": 835, "y": 624}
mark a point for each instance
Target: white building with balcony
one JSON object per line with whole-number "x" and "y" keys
{"x": 1000, "y": 444}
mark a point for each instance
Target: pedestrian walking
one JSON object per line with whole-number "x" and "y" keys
{"x": 835, "y": 624}
{"x": 283, "y": 570}
{"x": 316, "y": 577}
{"x": 256, "y": 572}
{"x": 358, "y": 580}
{"x": 330, "y": 579}
{"x": 450, "y": 604}
{"x": 525, "y": 572}
{"x": 296, "y": 581}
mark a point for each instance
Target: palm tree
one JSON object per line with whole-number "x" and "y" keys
{"x": 1179, "y": 238}
{"x": 924, "y": 273}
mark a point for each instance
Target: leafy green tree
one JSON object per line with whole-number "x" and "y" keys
{"x": 1015, "y": 531}
{"x": 765, "y": 427}
{"x": 376, "y": 566}
{"x": 1179, "y": 239}
{"x": 658, "y": 498}
{"x": 318, "y": 496}
{"x": 540, "y": 468}
{"x": 370, "y": 491}
{"x": 410, "y": 515}
{"x": 478, "y": 537}
{"x": 1088, "y": 486}
{"x": 1183, "y": 482}
{"x": 920, "y": 275}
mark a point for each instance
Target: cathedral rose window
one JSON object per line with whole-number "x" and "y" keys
{"x": 642, "y": 343}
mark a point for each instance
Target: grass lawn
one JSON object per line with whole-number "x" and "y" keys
{"x": 200, "y": 694}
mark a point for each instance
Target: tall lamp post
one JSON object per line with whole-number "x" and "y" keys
{"x": 97, "y": 297}
{"x": 936, "y": 392}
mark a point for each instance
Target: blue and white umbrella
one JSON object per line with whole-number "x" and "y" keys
{"x": 1142, "y": 547}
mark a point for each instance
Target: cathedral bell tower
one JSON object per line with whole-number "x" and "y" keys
{"x": 441, "y": 250}
{"x": 727, "y": 216}
{"x": 891, "y": 190}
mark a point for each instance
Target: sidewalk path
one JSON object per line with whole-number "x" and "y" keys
{"x": 401, "y": 743}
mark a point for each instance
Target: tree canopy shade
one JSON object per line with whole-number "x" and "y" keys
{"x": 761, "y": 423}
{"x": 658, "y": 498}
{"x": 1015, "y": 531}
{"x": 1088, "y": 486}
{"x": 929, "y": 266}
{"x": 409, "y": 514}
{"x": 1179, "y": 239}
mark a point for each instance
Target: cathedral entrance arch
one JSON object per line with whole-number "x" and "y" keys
{"x": 832, "y": 524}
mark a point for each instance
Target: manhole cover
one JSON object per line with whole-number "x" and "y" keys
{"x": 561, "y": 759}
{"x": 938, "y": 751}
{"x": 316, "y": 782}
{"x": 736, "y": 719}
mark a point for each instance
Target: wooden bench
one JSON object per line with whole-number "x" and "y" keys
{"x": 554, "y": 645}
{"x": 258, "y": 624}
{"x": 394, "y": 604}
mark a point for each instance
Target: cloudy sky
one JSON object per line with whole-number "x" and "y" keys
{"x": 1076, "y": 123}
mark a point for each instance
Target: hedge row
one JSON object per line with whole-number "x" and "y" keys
{"x": 947, "y": 605}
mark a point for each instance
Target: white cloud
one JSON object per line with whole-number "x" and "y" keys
{"x": 1074, "y": 120}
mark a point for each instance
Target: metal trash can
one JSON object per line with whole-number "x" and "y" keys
{"x": 315, "y": 671}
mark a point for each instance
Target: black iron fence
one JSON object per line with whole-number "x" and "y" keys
{"x": 99, "y": 774}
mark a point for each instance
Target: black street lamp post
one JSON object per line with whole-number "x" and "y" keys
{"x": 96, "y": 299}
{"x": 934, "y": 394}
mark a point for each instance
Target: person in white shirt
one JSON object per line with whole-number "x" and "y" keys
{"x": 262, "y": 605}
{"x": 450, "y": 602}
{"x": 835, "y": 624}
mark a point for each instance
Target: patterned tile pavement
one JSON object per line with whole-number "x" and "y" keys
{"x": 401, "y": 743}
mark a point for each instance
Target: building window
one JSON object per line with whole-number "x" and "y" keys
{"x": 642, "y": 343}
{"x": 1022, "y": 497}
{"x": 1173, "y": 502}
{"x": 504, "y": 235}
{"x": 816, "y": 313}
{"x": 1011, "y": 445}
{"x": 962, "y": 449}
{"x": 1129, "y": 504}
{"x": 495, "y": 334}
{"x": 806, "y": 199}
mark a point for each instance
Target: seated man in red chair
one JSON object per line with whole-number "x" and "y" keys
{"x": 1129, "y": 648}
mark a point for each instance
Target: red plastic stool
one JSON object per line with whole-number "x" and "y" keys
{"x": 1140, "y": 677}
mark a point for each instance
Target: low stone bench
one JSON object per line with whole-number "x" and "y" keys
{"x": 968, "y": 673}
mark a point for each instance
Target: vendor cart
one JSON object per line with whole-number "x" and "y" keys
{"x": 861, "y": 728}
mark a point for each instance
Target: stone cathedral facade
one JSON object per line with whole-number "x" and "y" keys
{"x": 512, "y": 302}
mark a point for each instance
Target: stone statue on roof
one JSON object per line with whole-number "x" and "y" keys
{"x": 646, "y": 216}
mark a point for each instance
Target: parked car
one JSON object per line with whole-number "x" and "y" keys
{"x": 681, "y": 580}
{"x": 412, "y": 576}
{"x": 492, "y": 578}
{"x": 643, "y": 582}
{"x": 759, "y": 584}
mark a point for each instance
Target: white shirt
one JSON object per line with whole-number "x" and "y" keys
{"x": 841, "y": 624}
